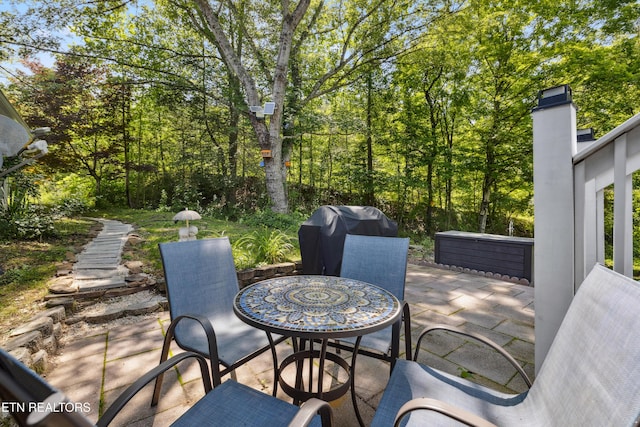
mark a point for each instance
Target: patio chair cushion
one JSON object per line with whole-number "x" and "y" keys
{"x": 590, "y": 377}
{"x": 234, "y": 404}
{"x": 235, "y": 339}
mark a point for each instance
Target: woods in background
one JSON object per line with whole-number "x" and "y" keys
{"x": 420, "y": 108}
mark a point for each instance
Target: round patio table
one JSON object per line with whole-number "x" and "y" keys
{"x": 317, "y": 308}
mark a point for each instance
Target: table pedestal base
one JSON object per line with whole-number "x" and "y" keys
{"x": 297, "y": 392}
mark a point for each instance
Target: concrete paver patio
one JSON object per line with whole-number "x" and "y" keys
{"x": 96, "y": 367}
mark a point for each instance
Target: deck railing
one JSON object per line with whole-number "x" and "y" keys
{"x": 611, "y": 159}
{"x": 570, "y": 179}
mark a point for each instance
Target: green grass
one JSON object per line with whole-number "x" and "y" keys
{"x": 158, "y": 227}
{"x": 29, "y": 265}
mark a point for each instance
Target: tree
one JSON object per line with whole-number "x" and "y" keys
{"x": 75, "y": 99}
{"x": 353, "y": 36}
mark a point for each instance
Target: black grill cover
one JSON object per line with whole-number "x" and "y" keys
{"x": 322, "y": 236}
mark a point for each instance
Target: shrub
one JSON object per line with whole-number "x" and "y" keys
{"x": 35, "y": 223}
{"x": 265, "y": 246}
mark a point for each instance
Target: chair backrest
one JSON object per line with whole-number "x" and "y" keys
{"x": 381, "y": 261}
{"x": 21, "y": 390}
{"x": 591, "y": 375}
{"x": 200, "y": 276}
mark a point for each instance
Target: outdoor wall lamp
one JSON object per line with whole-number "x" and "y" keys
{"x": 585, "y": 135}
{"x": 553, "y": 96}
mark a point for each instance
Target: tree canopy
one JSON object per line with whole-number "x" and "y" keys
{"x": 421, "y": 108}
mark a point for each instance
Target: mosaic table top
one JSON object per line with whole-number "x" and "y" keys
{"x": 319, "y": 306}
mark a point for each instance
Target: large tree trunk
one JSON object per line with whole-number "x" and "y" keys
{"x": 268, "y": 138}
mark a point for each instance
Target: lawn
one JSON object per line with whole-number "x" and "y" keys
{"x": 27, "y": 266}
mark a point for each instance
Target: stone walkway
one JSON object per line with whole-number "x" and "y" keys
{"x": 98, "y": 265}
{"x": 95, "y": 367}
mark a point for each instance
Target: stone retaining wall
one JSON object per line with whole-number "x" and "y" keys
{"x": 252, "y": 275}
{"x": 35, "y": 340}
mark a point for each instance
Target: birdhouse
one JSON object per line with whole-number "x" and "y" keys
{"x": 265, "y": 154}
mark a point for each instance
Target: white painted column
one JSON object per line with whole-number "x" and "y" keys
{"x": 554, "y": 145}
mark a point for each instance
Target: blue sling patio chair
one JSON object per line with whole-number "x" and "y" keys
{"x": 31, "y": 401}
{"x": 201, "y": 282}
{"x": 590, "y": 377}
{"x": 381, "y": 261}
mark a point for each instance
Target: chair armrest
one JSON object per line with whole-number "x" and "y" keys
{"x": 479, "y": 338}
{"x": 309, "y": 409}
{"x": 210, "y": 333}
{"x": 444, "y": 408}
{"x": 134, "y": 388}
{"x": 206, "y": 325}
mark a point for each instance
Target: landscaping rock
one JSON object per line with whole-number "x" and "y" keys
{"x": 56, "y": 313}
{"x": 40, "y": 361}
{"x": 110, "y": 313}
{"x": 99, "y": 284}
{"x": 135, "y": 267}
{"x": 137, "y": 277}
{"x": 142, "y": 308}
{"x": 50, "y": 344}
{"x": 285, "y": 267}
{"x": 245, "y": 274}
{"x": 72, "y": 320}
{"x": 57, "y": 329}
{"x": 22, "y": 354}
{"x": 62, "y": 285}
{"x": 66, "y": 302}
{"x": 42, "y": 324}
{"x": 134, "y": 239}
{"x": 125, "y": 291}
{"x": 30, "y": 340}
{"x": 265, "y": 272}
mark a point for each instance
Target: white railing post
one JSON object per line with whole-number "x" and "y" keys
{"x": 554, "y": 145}
{"x": 622, "y": 210}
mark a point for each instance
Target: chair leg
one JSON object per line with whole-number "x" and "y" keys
{"x": 352, "y": 379}
{"x": 406, "y": 318}
{"x": 164, "y": 356}
{"x": 395, "y": 345}
{"x": 274, "y": 357}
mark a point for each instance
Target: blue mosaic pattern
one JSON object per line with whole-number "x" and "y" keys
{"x": 323, "y": 304}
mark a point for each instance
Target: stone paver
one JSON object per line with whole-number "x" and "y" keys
{"x": 103, "y": 254}
{"x": 96, "y": 368}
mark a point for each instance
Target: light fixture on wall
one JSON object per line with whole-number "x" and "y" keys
{"x": 585, "y": 135}
{"x": 553, "y": 96}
